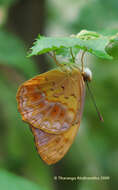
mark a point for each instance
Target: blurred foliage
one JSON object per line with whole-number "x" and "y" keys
{"x": 97, "y": 15}
{"x": 7, "y": 2}
{"x": 13, "y": 53}
{"x": 14, "y": 182}
{"x": 95, "y": 151}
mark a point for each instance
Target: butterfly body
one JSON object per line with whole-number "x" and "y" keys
{"x": 52, "y": 103}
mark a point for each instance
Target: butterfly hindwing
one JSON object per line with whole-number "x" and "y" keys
{"x": 53, "y": 147}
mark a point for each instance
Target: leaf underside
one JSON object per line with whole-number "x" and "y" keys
{"x": 62, "y": 45}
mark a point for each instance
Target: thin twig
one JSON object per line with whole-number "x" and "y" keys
{"x": 82, "y": 57}
{"x": 54, "y": 58}
{"x": 73, "y": 58}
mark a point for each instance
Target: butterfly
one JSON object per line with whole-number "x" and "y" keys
{"x": 52, "y": 104}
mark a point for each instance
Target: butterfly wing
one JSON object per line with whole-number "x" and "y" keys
{"x": 52, "y": 104}
{"x": 53, "y": 147}
{"x": 52, "y": 101}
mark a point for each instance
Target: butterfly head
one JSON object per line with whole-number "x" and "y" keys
{"x": 87, "y": 74}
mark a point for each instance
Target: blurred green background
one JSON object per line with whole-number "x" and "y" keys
{"x": 95, "y": 150}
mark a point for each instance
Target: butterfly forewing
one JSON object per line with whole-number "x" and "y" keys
{"x": 52, "y": 101}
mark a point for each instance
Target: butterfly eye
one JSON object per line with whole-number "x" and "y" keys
{"x": 87, "y": 74}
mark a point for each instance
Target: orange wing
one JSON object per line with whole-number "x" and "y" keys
{"x": 52, "y": 101}
{"x": 52, "y": 104}
{"x": 53, "y": 147}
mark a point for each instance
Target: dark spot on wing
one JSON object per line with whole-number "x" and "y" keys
{"x": 55, "y": 95}
{"x": 62, "y": 87}
{"x": 73, "y": 95}
{"x": 46, "y": 78}
{"x": 57, "y": 140}
{"x": 66, "y": 97}
{"x": 52, "y": 89}
{"x": 53, "y": 83}
{"x": 66, "y": 140}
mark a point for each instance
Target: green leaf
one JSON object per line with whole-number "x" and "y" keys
{"x": 95, "y": 46}
{"x": 13, "y": 53}
{"x": 112, "y": 47}
{"x": 10, "y": 181}
{"x": 7, "y": 2}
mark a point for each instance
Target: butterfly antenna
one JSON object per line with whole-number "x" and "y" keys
{"x": 92, "y": 97}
